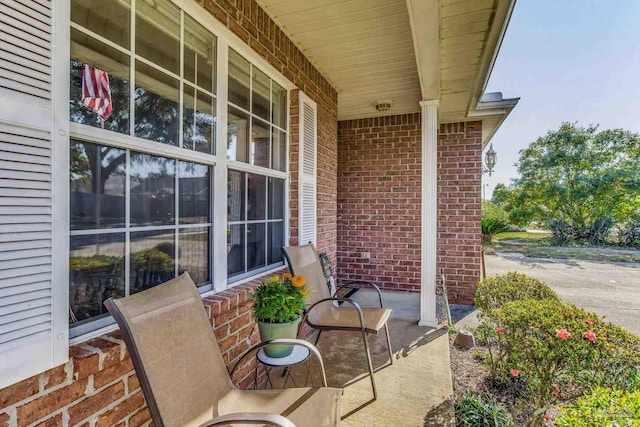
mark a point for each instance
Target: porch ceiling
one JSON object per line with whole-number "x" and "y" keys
{"x": 373, "y": 50}
{"x": 363, "y": 47}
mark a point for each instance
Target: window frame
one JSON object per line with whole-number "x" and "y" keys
{"x": 225, "y": 40}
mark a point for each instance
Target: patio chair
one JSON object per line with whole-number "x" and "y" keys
{"x": 323, "y": 315}
{"x": 182, "y": 373}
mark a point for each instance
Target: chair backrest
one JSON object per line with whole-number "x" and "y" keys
{"x": 174, "y": 352}
{"x": 304, "y": 261}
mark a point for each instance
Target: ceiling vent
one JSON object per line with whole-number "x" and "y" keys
{"x": 383, "y": 106}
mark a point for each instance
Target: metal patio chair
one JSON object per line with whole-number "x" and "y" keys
{"x": 182, "y": 373}
{"x": 323, "y": 315}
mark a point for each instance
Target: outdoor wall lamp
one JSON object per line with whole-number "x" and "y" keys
{"x": 490, "y": 159}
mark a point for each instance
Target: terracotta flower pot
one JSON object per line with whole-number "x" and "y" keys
{"x": 272, "y": 331}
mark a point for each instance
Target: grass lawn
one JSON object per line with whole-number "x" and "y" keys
{"x": 538, "y": 245}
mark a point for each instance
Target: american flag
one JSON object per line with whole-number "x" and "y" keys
{"x": 96, "y": 93}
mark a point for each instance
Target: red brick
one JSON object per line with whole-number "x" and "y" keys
{"x": 85, "y": 362}
{"x": 54, "y": 377}
{"x": 4, "y": 420}
{"x": 112, "y": 373}
{"x": 94, "y": 403}
{"x": 139, "y": 418}
{"x": 133, "y": 383}
{"x": 120, "y": 411}
{"x": 17, "y": 392}
{"x": 45, "y": 405}
{"x": 55, "y": 421}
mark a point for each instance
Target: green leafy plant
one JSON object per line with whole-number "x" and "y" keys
{"x": 494, "y": 292}
{"x": 561, "y": 351}
{"x": 279, "y": 300}
{"x": 602, "y": 407}
{"x": 481, "y": 411}
{"x": 491, "y": 227}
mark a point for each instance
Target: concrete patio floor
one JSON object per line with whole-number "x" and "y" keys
{"x": 415, "y": 391}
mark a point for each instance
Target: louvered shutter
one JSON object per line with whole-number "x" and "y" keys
{"x": 307, "y": 213}
{"x": 33, "y": 319}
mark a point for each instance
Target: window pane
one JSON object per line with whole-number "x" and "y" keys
{"x": 235, "y": 249}
{"x": 108, "y": 18}
{"x": 239, "y": 80}
{"x": 96, "y": 273}
{"x": 158, "y": 33}
{"x": 255, "y": 246}
{"x": 199, "y": 121}
{"x": 259, "y": 149}
{"x": 235, "y": 196}
{"x": 156, "y": 102}
{"x": 260, "y": 95}
{"x": 275, "y": 238}
{"x": 276, "y": 198}
{"x": 86, "y": 50}
{"x": 193, "y": 254}
{"x": 152, "y": 259}
{"x": 279, "y": 150}
{"x": 279, "y": 107}
{"x": 199, "y": 54}
{"x": 97, "y": 186}
{"x": 194, "y": 190}
{"x": 152, "y": 190}
{"x": 237, "y": 135}
{"x": 257, "y": 186}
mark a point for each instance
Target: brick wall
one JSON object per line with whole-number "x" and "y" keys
{"x": 379, "y": 173}
{"x": 379, "y": 197}
{"x": 97, "y": 387}
{"x": 459, "y": 202}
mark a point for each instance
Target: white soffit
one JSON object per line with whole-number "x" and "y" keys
{"x": 363, "y": 47}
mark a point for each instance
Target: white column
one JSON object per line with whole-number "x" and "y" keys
{"x": 429, "y": 213}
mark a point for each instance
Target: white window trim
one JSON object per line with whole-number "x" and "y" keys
{"x": 225, "y": 39}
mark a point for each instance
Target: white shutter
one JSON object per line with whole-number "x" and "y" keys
{"x": 307, "y": 193}
{"x": 33, "y": 319}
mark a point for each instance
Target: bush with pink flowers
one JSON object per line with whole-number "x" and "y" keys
{"x": 561, "y": 351}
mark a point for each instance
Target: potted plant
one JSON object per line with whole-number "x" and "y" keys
{"x": 278, "y": 305}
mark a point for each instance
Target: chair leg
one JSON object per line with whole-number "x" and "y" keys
{"x": 386, "y": 331}
{"x": 366, "y": 348}
{"x": 318, "y": 338}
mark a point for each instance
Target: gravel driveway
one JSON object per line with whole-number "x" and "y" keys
{"x": 606, "y": 288}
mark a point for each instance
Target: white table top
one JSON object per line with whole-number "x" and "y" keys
{"x": 299, "y": 354}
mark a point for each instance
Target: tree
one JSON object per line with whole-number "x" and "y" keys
{"x": 579, "y": 177}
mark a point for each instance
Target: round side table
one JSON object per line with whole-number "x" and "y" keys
{"x": 299, "y": 355}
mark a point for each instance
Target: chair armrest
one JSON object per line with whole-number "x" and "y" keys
{"x": 292, "y": 341}
{"x": 261, "y": 418}
{"x": 368, "y": 283}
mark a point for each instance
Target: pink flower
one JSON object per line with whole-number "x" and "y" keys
{"x": 590, "y": 335}
{"x": 499, "y": 330}
{"x": 515, "y": 372}
{"x": 589, "y": 322}
{"x": 533, "y": 328}
{"x": 563, "y": 334}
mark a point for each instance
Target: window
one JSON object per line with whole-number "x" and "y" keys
{"x": 142, "y": 193}
{"x": 158, "y": 208}
{"x": 154, "y": 93}
{"x": 256, "y": 135}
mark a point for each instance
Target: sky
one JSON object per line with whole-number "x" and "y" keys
{"x": 567, "y": 60}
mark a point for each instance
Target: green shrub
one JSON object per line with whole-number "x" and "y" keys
{"x": 279, "y": 300}
{"x": 602, "y": 408}
{"x": 492, "y": 226}
{"x": 561, "y": 350}
{"x": 494, "y": 292}
{"x": 481, "y": 411}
